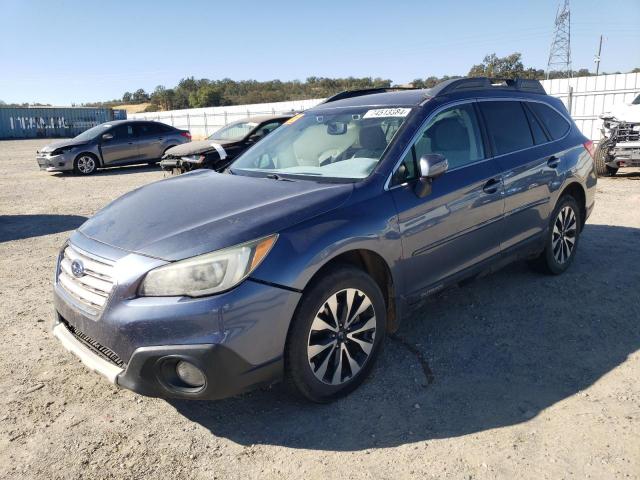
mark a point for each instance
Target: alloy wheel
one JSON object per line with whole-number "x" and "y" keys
{"x": 341, "y": 337}
{"x": 563, "y": 238}
{"x": 86, "y": 164}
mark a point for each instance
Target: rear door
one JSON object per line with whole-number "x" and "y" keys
{"x": 122, "y": 147}
{"x": 458, "y": 224}
{"x": 151, "y": 140}
{"x": 527, "y": 165}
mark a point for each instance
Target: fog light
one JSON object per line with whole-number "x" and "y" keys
{"x": 190, "y": 374}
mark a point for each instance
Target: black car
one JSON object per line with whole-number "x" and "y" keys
{"x": 221, "y": 148}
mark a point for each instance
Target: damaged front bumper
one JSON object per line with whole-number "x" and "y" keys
{"x": 178, "y": 165}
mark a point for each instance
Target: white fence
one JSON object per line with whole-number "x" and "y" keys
{"x": 588, "y": 97}
{"x": 585, "y": 97}
{"x": 202, "y": 122}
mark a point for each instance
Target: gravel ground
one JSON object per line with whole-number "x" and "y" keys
{"x": 526, "y": 376}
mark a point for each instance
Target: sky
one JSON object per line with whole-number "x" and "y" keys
{"x": 64, "y": 52}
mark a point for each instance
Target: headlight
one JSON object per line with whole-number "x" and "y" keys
{"x": 206, "y": 274}
{"x": 61, "y": 150}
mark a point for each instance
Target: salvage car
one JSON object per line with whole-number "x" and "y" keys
{"x": 318, "y": 240}
{"x": 110, "y": 144}
{"x": 220, "y": 149}
{"x": 619, "y": 145}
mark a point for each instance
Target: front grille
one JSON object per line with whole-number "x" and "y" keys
{"x": 93, "y": 286}
{"x": 627, "y": 133}
{"x": 97, "y": 348}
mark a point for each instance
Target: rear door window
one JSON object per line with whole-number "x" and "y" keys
{"x": 145, "y": 129}
{"x": 536, "y": 129}
{"x": 507, "y": 126}
{"x": 556, "y": 124}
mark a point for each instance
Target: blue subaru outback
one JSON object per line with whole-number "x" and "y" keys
{"x": 317, "y": 241}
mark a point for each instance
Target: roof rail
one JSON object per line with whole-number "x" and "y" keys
{"x": 364, "y": 91}
{"x": 485, "y": 83}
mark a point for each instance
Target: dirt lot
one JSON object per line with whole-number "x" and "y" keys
{"x": 533, "y": 376}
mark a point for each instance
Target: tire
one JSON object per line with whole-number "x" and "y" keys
{"x": 562, "y": 238}
{"x": 600, "y": 159}
{"x": 313, "y": 366}
{"x": 85, "y": 164}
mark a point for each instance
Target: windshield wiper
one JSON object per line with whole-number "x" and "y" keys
{"x": 275, "y": 176}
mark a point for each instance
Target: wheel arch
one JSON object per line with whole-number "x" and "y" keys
{"x": 576, "y": 190}
{"x": 374, "y": 265}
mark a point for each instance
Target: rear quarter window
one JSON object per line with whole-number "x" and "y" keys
{"x": 507, "y": 126}
{"x": 556, "y": 124}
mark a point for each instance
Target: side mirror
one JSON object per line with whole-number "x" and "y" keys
{"x": 431, "y": 166}
{"x": 107, "y": 136}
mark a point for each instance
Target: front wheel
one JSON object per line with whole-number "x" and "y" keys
{"x": 601, "y": 157}
{"x": 562, "y": 238}
{"x": 85, "y": 164}
{"x": 336, "y": 335}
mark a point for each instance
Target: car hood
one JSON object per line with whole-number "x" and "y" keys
{"x": 64, "y": 143}
{"x": 204, "y": 211}
{"x": 624, "y": 113}
{"x": 195, "y": 148}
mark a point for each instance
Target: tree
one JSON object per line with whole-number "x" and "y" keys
{"x": 126, "y": 97}
{"x": 499, "y": 67}
{"x": 207, "y": 96}
{"x": 139, "y": 96}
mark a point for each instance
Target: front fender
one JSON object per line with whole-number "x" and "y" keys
{"x": 303, "y": 249}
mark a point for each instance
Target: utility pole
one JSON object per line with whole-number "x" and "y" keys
{"x": 597, "y": 57}
{"x": 560, "y": 51}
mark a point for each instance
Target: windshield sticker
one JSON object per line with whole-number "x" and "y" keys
{"x": 294, "y": 119}
{"x": 387, "y": 112}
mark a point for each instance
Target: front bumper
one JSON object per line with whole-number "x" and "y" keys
{"x": 625, "y": 154}
{"x": 236, "y": 338}
{"x": 55, "y": 163}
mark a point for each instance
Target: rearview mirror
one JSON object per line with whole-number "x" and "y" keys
{"x": 337, "y": 128}
{"x": 107, "y": 136}
{"x": 431, "y": 166}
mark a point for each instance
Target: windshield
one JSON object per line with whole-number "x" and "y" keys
{"x": 93, "y": 132}
{"x": 344, "y": 143}
{"x": 234, "y": 131}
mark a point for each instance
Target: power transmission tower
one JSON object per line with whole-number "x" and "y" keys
{"x": 560, "y": 52}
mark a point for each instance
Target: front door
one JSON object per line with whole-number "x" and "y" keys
{"x": 121, "y": 148}
{"x": 458, "y": 224}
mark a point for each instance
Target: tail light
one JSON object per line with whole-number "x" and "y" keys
{"x": 590, "y": 147}
{"x": 186, "y": 135}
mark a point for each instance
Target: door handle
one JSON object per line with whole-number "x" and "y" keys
{"x": 553, "y": 161}
{"x": 491, "y": 186}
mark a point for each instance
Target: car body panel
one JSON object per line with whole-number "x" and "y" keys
{"x": 211, "y": 217}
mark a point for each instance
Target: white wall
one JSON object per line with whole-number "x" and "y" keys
{"x": 591, "y": 96}
{"x": 202, "y": 122}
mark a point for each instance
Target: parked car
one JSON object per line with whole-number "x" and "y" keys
{"x": 122, "y": 142}
{"x": 318, "y": 240}
{"x": 619, "y": 146}
{"x": 220, "y": 149}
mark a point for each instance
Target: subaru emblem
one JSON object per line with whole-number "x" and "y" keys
{"x": 77, "y": 268}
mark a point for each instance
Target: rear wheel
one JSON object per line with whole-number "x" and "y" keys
{"x": 85, "y": 164}
{"x": 562, "y": 238}
{"x": 336, "y": 335}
